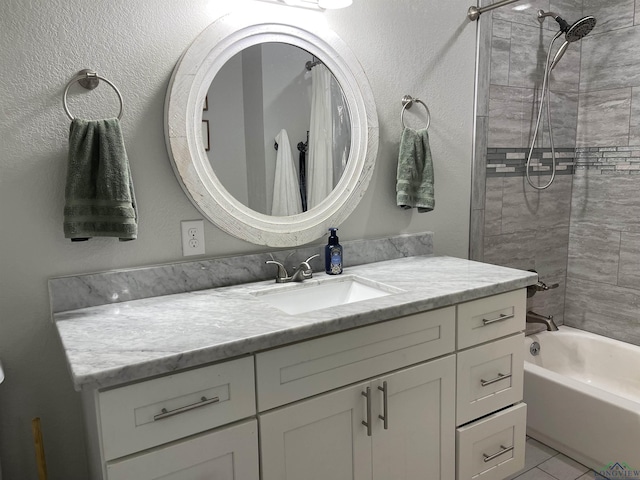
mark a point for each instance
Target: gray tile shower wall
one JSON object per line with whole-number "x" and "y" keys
{"x": 607, "y": 63}
{"x": 513, "y": 224}
{"x": 528, "y": 229}
{"x": 603, "y": 283}
{"x": 583, "y": 232}
{"x": 604, "y": 117}
{"x": 603, "y": 288}
{"x": 612, "y": 14}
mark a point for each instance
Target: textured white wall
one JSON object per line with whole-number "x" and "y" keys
{"x": 421, "y": 47}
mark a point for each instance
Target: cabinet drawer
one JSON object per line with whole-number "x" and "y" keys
{"x": 158, "y": 411}
{"x": 493, "y": 446}
{"x": 227, "y": 454}
{"x": 308, "y": 368}
{"x": 493, "y": 317}
{"x": 489, "y": 378}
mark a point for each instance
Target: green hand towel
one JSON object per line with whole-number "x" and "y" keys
{"x": 414, "y": 184}
{"x": 99, "y": 197}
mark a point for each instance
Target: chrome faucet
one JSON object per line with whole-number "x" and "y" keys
{"x": 301, "y": 272}
{"x": 304, "y": 270}
{"x": 533, "y": 317}
{"x": 281, "y": 276}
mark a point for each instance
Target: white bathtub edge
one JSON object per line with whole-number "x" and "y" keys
{"x": 558, "y": 408}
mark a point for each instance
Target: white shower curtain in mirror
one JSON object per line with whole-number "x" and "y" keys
{"x": 286, "y": 192}
{"x": 341, "y": 130}
{"x": 329, "y": 135}
{"x": 320, "y": 162}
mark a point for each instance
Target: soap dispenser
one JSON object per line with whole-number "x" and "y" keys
{"x": 333, "y": 254}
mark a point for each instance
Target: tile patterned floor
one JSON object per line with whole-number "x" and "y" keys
{"x": 545, "y": 463}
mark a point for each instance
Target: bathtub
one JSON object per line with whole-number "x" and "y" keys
{"x": 583, "y": 397}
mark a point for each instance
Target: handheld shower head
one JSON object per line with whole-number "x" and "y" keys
{"x": 561, "y": 51}
{"x": 574, "y": 32}
{"x": 580, "y": 29}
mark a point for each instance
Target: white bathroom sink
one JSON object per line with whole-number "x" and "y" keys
{"x": 311, "y": 295}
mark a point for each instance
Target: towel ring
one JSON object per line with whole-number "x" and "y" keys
{"x": 407, "y": 101}
{"x": 89, "y": 80}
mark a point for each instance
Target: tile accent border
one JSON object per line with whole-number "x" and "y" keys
{"x": 608, "y": 160}
{"x": 512, "y": 162}
{"x": 89, "y": 290}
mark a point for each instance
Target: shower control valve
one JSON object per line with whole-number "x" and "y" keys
{"x": 539, "y": 286}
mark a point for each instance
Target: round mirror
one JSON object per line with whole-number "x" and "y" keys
{"x": 257, "y": 119}
{"x": 244, "y": 87}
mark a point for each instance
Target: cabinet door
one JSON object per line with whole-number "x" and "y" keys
{"x": 318, "y": 439}
{"x": 227, "y": 454}
{"x": 419, "y": 442}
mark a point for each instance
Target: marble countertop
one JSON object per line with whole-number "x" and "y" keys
{"x": 112, "y": 344}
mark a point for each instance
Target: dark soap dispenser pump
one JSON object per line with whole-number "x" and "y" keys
{"x": 333, "y": 254}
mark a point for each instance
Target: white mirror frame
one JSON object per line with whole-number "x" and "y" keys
{"x": 188, "y": 87}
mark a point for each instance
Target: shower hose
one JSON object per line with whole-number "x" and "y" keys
{"x": 545, "y": 92}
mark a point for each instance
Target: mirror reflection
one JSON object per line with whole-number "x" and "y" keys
{"x": 276, "y": 129}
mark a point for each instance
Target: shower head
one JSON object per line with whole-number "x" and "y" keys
{"x": 580, "y": 29}
{"x": 574, "y": 32}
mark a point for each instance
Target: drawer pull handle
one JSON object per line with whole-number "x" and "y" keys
{"x": 488, "y": 458}
{"x": 164, "y": 413}
{"x": 368, "y": 422}
{"x": 499, "y": 318}
{"x": 385, "y": 405}
{"x": 501, "y": 376}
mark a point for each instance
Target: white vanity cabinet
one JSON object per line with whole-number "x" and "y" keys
{"x": 395, "y": 427}
{"x": 434, "y": 395}
{"x": 177, "y": 427}
{"x": 342, "y": 434}
{"x": 490, "y": 415}
{"x": 225, "y": 454}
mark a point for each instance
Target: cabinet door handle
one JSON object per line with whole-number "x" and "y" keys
{"x": 368, "y": 422}
{"x": 385, "y": 405}
{"x": 501, "y": 376}
{"x": 488, "y": 458}
{"x": 499, "y": 318}
{"x": 164, "y": 413}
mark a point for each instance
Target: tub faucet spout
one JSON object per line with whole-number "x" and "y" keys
{"x": 533, "y": 317}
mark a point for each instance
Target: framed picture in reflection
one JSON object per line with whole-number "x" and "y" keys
{"x": 205, "y": 135}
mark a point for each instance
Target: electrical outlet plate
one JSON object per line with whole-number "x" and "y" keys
{"x": 192, "y": 237}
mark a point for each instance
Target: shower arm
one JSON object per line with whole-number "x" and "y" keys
{"x": 542, "y": 15}
{"x": 474, "y": 12}
{"x": 564, "y": 26}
